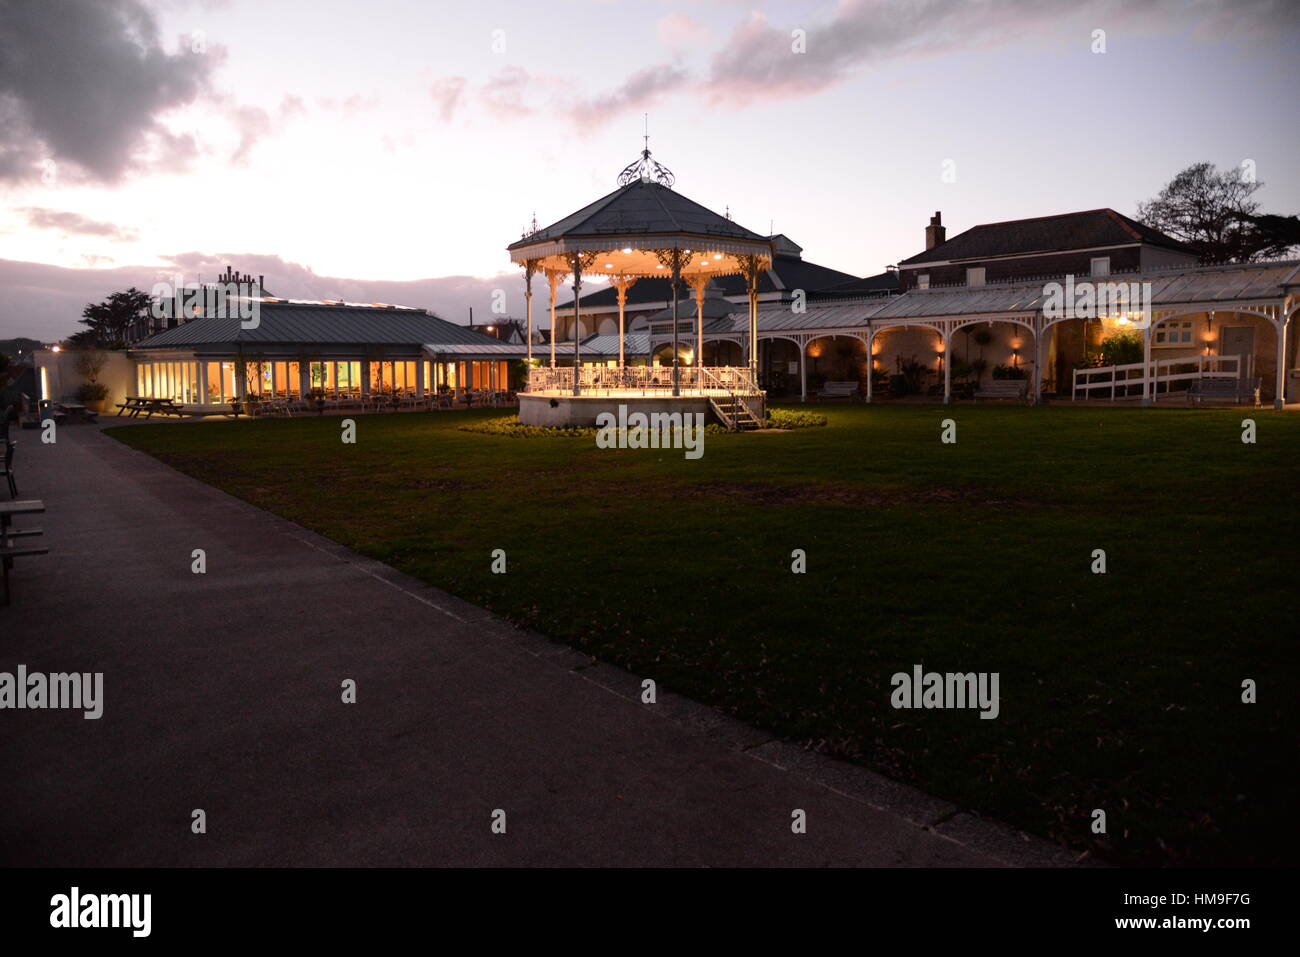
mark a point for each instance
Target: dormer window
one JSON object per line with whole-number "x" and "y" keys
{"x": 923, "y": 281}
{"x": 1101, "y": 266}
{"x": 975, "y": 276}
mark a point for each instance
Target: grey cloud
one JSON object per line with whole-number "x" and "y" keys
{"x": 40, "y": 218}
{"x": 83, "y": 82}
{"x": 641, "y": 89}
{"x": 44, "y": 302}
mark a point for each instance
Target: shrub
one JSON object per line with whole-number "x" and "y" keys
{"x": 790, "y": 419}
{"x": 1121, "y": 348}
{"x": 510, "y": 425}
{"x": 92, "y": 392}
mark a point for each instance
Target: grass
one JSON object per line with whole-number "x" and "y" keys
{"x": 1119, "y": 691}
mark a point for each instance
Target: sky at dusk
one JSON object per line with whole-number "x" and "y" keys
{"x": 391, "y": 150}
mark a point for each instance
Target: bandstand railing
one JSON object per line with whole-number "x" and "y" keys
{"x": 646, "y": 380}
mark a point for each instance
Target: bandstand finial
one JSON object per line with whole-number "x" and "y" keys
{"x": 646, "y": 169}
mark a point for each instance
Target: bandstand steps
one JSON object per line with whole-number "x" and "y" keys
{"x": 735, "y": 414}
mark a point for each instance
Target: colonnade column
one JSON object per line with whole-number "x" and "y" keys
{"x": 1279, "y": 390}
{"x": 1040, "y": 337}
{"x": 871, "y": 360}
{"x": 1146, "y": 365}
{"x": 803, "y": 371}
{"x": 946, "y": 359}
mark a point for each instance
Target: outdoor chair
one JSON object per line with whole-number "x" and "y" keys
{"x": 8, "y": 470}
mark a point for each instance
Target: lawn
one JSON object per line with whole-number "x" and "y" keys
{"x": 1119, "y": 691}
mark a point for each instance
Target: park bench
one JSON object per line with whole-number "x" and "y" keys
{"x": 1015, "y": 389}
{"x": 1224, "y": 390}
{"x": 10, "y": 548}
{"x": 838, "y": 390}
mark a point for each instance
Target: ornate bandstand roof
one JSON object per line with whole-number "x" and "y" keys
{"x": 631, "y": 231}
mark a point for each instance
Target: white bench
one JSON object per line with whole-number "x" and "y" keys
{"x": 1223, "y": 389}
{"x": 838, "y": 390}
{"x": 1003, "y": 389}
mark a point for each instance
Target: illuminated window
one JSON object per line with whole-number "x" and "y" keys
{"x": 214, "y": 382}
{"x": 1177, "y": 333}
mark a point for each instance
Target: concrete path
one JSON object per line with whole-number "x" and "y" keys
{"x": 222, "y": 692}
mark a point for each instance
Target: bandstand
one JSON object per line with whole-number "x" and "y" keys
{"x": 643, "y": 229}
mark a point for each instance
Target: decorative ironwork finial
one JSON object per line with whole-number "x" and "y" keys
{"x": 646, "y": 169}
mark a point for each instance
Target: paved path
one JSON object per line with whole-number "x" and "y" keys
{"x": 223, "y": 692}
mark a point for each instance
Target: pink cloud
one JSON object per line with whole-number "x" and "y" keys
{"x": 448, "y": 93}
{"x": 678, "y": 30}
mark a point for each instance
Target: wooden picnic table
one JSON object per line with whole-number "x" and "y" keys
{"x": 134, "y": 405}
{"x": 77, "y": 411}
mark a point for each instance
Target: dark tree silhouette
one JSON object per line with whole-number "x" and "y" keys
{"x": 1214, "y": 212}
{"x": 111, "y": 320}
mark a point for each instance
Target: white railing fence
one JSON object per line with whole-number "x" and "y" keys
{"x": 1121, "y": 378}
{"x": 647, "y": 380}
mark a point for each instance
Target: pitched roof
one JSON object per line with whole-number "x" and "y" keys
{"x": 634, "y": 344}
{"x": 1170, "y": 286}
{"x": 714, "y": 307}
{"x": 641, "y": 207}
{"x": 318, "y": 323}
{"x": 1046, "y": 234}
{"x": 881, "y": 282}
{"x": 791, "y": 272}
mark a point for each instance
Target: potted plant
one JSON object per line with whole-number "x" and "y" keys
{"x": 89, "y": 363}
{"x": 93, "y": 395}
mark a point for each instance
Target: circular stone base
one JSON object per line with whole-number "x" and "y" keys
{"x": 568, "y": 411}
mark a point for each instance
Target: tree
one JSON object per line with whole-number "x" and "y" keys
{"x": 1275, "y": 236}
{"x": 1213, "y": 211}
{"x": 89, "y": 364}
{"x": 110, "y": 321}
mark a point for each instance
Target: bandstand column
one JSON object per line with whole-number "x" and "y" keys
{"x": 677, "y": 274}
{"x": 577, "y": 335}
{"x": 698, "y": 285}
{"x": 530, "y": 268}
{"x": 622, "y": 304}
{"x": 553, "y": 277}
{"x": 622, "y": 284}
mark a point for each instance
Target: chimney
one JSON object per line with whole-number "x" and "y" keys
{"x": 935, "y": 233}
